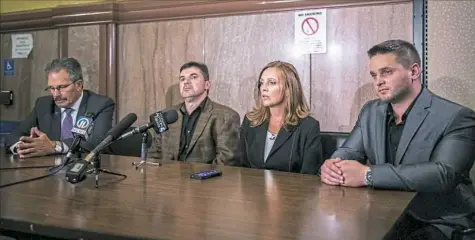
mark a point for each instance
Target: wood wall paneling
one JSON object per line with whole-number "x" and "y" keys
{"x": 45, "y": 49}
{"x": 235, "y": 48}
{"x": 341, "y": 83}
{"x": 238, "y": 47}
{"x": 84, "y": 46}
{"x": 29, "y": 80}
{"x": 149, "y": 11}
{"x": 63, "y": 42}
{"x": 108, "y": 61}
{"x": 111, "y": 66}
{"x": 20, "y": 83}
{"x": 149, "y": 58}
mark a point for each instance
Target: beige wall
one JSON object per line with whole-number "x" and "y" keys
{"x": 451, "y": 50}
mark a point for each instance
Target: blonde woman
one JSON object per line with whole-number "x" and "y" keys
{"x": 278, "y": 133}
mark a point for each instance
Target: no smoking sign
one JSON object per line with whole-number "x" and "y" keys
{"x": 311, "y": 31}
{"x": 310, "y": 26}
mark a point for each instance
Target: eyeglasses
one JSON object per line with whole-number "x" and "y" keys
{"x": 60, "y": 88}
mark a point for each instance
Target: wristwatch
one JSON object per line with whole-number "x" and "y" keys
{"x": 368, "y": 178}
{"x": 58, "y": 148}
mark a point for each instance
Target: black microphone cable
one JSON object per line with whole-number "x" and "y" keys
{"x": 27, "y": 167}
{"x": 35, "y": 178}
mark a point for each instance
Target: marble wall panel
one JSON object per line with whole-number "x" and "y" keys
{"x": 341, "y": 83}
{"x": 149, "y": 59}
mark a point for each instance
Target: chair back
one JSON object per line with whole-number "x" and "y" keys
{"x": 130, "y": 146}
{"x": 331, "y": 141}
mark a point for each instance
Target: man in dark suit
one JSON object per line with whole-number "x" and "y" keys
{"x": 413, "y": 140}
{"x": 47, "y": 130}
{"x": 205, "y": 131}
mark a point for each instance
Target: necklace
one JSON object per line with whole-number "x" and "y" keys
{"x": 273, "y": 136}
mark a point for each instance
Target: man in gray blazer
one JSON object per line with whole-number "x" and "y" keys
{"x": 413, "y": 140}
{"x": 47, "y": 129}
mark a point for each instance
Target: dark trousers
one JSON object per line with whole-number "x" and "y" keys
{"x": 409, "y": 228}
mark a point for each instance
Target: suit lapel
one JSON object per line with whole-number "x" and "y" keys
{"x": 282, "y": 137}
{"x": 199, "y": 128}
{"x": 381, "y": 119}
{"x": 201, "y": 124}
{"x": 83, "y": 105}
{"x": 56, "y": 123}
{"x": 413, "y": 122}
{"x": 174, "y": 134}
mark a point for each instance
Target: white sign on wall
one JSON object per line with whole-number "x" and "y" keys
{"x": 21, "y": 45}
{"x": 311, "y": 31}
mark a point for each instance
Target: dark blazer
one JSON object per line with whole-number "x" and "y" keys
{"x": 215, "y": 139}
{"x": 297, "y": 149}
{"x": 47, "y": 117}
{"x": 434, "y": 156}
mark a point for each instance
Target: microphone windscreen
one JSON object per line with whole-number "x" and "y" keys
{"x": 160, "y": 120}
{"x": 170, "y": 116}
{"x": 83, "y": 127}
{"x": 123, "y": 125}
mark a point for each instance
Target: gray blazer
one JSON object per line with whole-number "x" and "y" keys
{"x": 434, "y": 156}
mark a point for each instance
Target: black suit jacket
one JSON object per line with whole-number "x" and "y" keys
{"x": 297, "y": 149}
{"x": 434, "y": 156}
{"x": 47, "y": 117}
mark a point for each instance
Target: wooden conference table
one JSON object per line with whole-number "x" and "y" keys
{"x": 164, "y": 203}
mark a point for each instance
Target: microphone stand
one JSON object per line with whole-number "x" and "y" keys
{"x": 143, "y": 154}
{"x": 75, "y": 148}
{"x": 97, "y": 170}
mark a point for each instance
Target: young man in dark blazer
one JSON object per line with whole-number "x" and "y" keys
{"x": 413, "y": 140}
{"x": 47, "y": 129}
{"x": 205, "y": 131}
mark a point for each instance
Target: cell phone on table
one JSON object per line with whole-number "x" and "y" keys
{"x": 206, "y": 174}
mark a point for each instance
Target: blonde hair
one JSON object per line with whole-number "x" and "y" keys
{"x": 296, "y": 106}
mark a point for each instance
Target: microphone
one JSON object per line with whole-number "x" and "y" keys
{"x": 81, "y": 131}
{"x": 84, "y": 125}
{"x": 113, "y": 134}
{"x": 76, "y": 172}
{"x": 159, "y": 121}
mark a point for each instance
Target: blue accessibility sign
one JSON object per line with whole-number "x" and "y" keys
{"x": 8, "y": 67}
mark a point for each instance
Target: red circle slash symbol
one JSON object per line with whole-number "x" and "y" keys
{"x": 310, "y": 26}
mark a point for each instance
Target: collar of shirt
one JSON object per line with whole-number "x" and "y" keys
{"x": 390, "y": 111}
{"x": 75, "y": 107}
{"x": 201, "y": 107}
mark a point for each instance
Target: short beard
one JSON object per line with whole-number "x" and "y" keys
{"x": 399, "y": 95}
{"x": 194, "y": 97}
